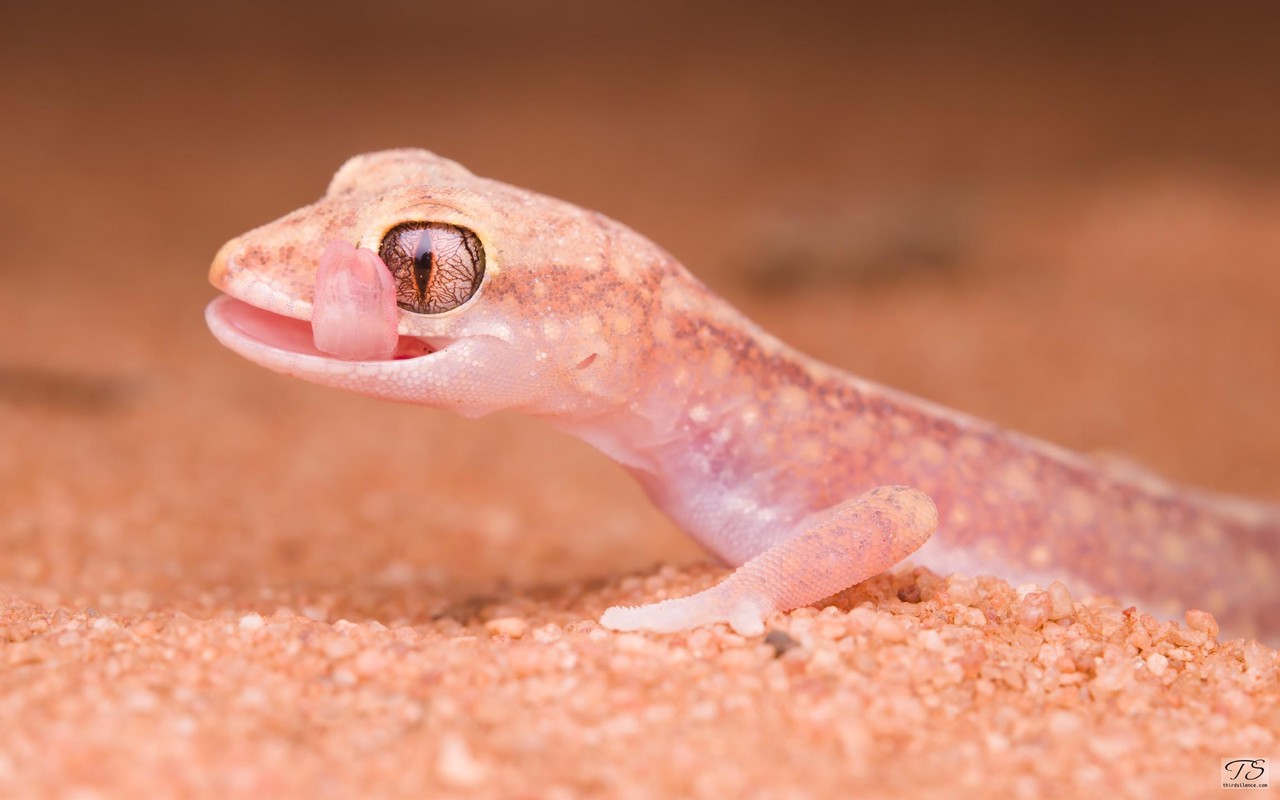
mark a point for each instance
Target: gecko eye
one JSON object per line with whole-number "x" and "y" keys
{"x": 436, "y": 267}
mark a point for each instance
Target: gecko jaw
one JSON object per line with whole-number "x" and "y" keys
{"x": 287, "y": 344}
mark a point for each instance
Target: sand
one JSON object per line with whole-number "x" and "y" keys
{"x": 966, "y": 687}
{"x": 216, "y": 581}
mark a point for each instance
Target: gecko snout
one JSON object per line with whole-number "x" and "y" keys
{"x": 225, "y": 256}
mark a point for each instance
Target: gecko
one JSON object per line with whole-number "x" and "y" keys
{"x": 414, "y": 280}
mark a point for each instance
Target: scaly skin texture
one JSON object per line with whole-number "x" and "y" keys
{"x": 767, "y": 457}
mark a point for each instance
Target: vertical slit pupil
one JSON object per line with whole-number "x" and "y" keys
{"x": 423, "y": 262}
{"x": 436, "y": 266}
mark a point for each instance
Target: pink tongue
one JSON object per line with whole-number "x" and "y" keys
{"x": 353, "y": 316}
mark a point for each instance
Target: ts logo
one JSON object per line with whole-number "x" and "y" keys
{"x": 1244, "y": 773}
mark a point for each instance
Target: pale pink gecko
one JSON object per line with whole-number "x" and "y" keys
{"x": 414, "y": 280}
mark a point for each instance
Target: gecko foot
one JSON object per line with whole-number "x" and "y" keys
{"x": 705, "y": 608}
{"x": 845, "y": 546}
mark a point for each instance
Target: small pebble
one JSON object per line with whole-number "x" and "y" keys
{"x": 368, "y": 663}
{"x": 780, "y": 641}
{"x": 1060, "y": 603}
{"x": 456, "y": 765}
{"x": 631, "y": 642}
{"x": 1158, "y": 663}
{"x": 507, "y": 626}
{"x": 889, "y": 629}
{"x": 1203, "y": 622}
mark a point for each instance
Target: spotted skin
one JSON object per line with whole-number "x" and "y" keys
{"x": 770, "y": 459}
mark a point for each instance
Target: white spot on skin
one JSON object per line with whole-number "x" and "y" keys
{"x": 1016, "y": 483}
{"x": 969, "y": 448}
{"x": 1040, "y": 557}
{"x": 699, "y": 413}
{"x": 1080, "y": 506}
{"x": 792, "y": 399}
{"x": 931, "y": 452}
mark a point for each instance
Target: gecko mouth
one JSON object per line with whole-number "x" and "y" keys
{"x": 272, "y": 339}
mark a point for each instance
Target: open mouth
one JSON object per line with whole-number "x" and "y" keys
{"x": 264, "y": 336}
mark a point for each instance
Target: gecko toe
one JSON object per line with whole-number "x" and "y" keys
{"x": 623, "y": 618}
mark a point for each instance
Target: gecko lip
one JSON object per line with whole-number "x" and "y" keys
{"x": 271, "y": 339}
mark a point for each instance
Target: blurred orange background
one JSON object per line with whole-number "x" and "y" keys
{"x": 1063, "y": 217}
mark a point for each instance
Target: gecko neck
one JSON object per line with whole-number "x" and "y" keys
{"x": 708, "y": 426}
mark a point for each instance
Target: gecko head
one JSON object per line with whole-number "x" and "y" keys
{"x": 503, "y": 298}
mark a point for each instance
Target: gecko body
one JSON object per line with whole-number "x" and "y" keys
{"x": 413, "y": 280}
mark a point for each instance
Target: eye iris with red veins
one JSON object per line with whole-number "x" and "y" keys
{"x": 436, "y": 267}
